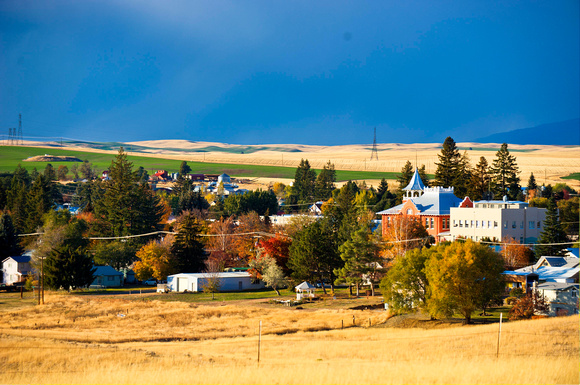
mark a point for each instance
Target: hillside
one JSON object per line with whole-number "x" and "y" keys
{"x": 561, "y": 133}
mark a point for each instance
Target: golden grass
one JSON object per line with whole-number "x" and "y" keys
{"x": 73, "y": 340}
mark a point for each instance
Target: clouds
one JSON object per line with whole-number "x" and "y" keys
{"x": 287, "y": 71}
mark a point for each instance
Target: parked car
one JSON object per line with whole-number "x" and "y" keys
{"x": 150, "y": 282}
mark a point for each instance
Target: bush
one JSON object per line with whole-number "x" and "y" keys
{"x": 510, "y": 300}
{"x": 517, "y": 292}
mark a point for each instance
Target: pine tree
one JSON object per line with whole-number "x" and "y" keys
{"x": 382, "y": 189}
{"x": 552, "y": 233}
{"x": 423, "y": 175}
{"x": 405, "y": 176}
{"x": 462, "y": 180}
{"x": 504, "y": 171}
{"x": 480, "y": 181}
{"x": 9, "y": 245}
{"x": 304, "y": 181}
{"x": 532, "y": 185}
{"x": 448, "y": 166}
{"x": 325, "y": 182}
{"x": 187, "y": 248}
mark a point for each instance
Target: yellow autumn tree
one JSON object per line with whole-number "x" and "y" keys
{"x": 155, "y": 260}
{"x": 515, "y": 255}
{"x": 403, "y": 233}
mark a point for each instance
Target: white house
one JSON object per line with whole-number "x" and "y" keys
{"x": 229, "y": 281}
{"x": 496, "y": 220}
{"x": 562, "y": 297}
{"x": 16, "y": 269}
{"x": 106, "y": 276}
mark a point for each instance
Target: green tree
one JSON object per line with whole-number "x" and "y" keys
{"x": 61, "y": 172}
{"x": 462, "y": 181}
{"x": 87, "y": 170}
{"x": 187, "y": 248}
{"x": 504, "y": 171}
{"x": 463, "y": 276}
{"x": 9, "y": 245}
{"x": 361, "y": 260}
{"x": 39, "y": 202}
{"x": 569, "y": 215}
{"x": 479, "y": 186}
{"x": 405, "y": 286}
{"x": 324, "y": 183}
{"x": 127, "y": 207}
{"x": 405, "y": 176}
{"x": 259, "y": 201}
{"x": 304, "y": 182}
{"x": 314, "y": 253}
{"x": 532, "y": 185}
{"x": 118, "y": 255}
{"x": 552, "y": 235}
{"x": 184, "y": 169}
{"x": 189, "y": 200}
{"x": 449, "y": 164}
{"x": 142, "y": 175}
{"x": 267, "y": 269}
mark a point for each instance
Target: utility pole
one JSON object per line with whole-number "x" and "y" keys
{"x": 19, "y": 137}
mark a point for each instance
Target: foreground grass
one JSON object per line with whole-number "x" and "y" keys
{"x": 11, "y": 156}
{"x": 112, "y": 340}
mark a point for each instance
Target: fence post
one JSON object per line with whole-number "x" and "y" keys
{"x": 259, "y": 341}
{"x": 499, "y": 335}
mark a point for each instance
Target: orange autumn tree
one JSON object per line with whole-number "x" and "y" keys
{"x": 515, "y": 255}
{"x": 404, "y": 233}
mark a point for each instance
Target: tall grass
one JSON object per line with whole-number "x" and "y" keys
{"x": 42, "y": 345}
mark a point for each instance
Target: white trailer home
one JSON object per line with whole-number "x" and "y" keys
{"x": 194, "y": 282}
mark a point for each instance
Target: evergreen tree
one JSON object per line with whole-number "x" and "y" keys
{"x": 532, "y": 185}
{"x": 504, "y": 171}
{"x": 325, "y": 182}
{"x": 9, "y": 245}
{"x": 184, "y": 169}
{"x": 39, "y": 203}
{"x": 480, "y": 181}
{"x": 127, "y": 207}
{"x": 187, "y": 248}
{"x": 405, "y": 176}
{"x": 190, "y": 200}
{"x": 423, "y": 175}
{"x": 462, "y": 181}
{"x": 119, "y": 255}
{"x": 304, "y": 181}
{"x": 142, "y": 175}
{"x": 449, "y": 163}
{"x": 383, "y": 189}
{"x": 552, "y": 233}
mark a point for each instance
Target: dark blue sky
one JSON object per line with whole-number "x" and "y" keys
{"x": 312, "y": 72}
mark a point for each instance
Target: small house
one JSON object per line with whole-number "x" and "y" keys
{"x": 106, "y": 276}
{"x": 16, "y": 269}
{"x": 562, "y": 297}
{"x": 228, "y": 281}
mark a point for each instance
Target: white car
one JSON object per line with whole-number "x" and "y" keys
{"x": 150, "y": 282}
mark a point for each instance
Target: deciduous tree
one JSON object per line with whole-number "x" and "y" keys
{"x": 155, "y": 260}
{"x": 514, "y": 254}
{"x": 118, "y": 255}
{"x": 402, "y": 234}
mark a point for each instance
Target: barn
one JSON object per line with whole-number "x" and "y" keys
{"x": 229, "y": 281}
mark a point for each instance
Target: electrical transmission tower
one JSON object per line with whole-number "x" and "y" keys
{"x": 19, "y": 135}
{"x": 374, "y": 152}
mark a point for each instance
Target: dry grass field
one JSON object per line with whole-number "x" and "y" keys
{"x": 102, "y": 340}
{"x": 548, "y": 163}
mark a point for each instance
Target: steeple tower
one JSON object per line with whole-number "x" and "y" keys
{"x": 415, "y": 188}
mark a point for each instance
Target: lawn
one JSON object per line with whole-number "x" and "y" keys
{"x": 11, "y": 156}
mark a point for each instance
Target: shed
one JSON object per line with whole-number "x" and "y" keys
{"x": 304, "y": 290}
{"x": 229, "y": 281}
{"x": 106, "y": 276}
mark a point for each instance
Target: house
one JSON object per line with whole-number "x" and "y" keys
{"x": 16, "y": 269}
{"x": 316, "y": 208}
{"x": 229, "y": 281}
{"x": 546, "y": 270}
{"x": 304, "y": 290}
{"x": 562, "y": 297}
{"x": 106, "y": 276}
{"x": 497, "y": 219}
{"x": 430, "y": 205}
{"x": 128, "y": 275}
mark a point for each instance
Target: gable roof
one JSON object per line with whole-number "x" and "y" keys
{"x": 19, "y": 258}
{"x": 106, "y": 270}
{"x": 305, "y": 286}
{"x": 434, "y": 201}
{"x": 557, "y": 286}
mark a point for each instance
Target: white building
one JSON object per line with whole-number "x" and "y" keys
{"x": 496, "y": 220}
{"x": 562, "y": 297}
{"x": 229, "y": 281}
{"x": 16, "y": 269}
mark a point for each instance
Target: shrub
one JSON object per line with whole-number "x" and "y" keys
{"x": 517, "y": 292}
{"x": 510, "y": 300}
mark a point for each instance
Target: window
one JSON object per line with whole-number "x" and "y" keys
{"x": 521, "y": 239}
{"x": 432, "y": 223}
{"x": 477, "y": 224}
{"x": 472, "y": 224}
{"x": 495, "y": 224}
{"x": 110, "y": 278}
{"x": 460, "y": 223}
{"x": 539, "y": 224}
{"x": 505, "y": 224}
{"x": 514, "y": 225}
{"x": 521, "y": 224}
{"x": 454, "y": 223}
{"x": 426, "y": 223}
{"x": 410, "y": 212}
{"x": 531, "y": 225}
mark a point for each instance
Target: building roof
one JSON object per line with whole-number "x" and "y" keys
{"x": 557, "y": 286}
{"x": 305, "y": 286}
{"x": 106, "y": 270}
{"x": 19, "y": 258}
{"x": 434, "y": 201}
{"x": 227, "y": 274}
{"x": 416, "y": 183}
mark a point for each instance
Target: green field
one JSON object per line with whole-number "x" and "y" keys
{"x": 574, "y": 176}
{"x": 11, "y": 156}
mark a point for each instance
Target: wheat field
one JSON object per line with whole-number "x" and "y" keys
{"x": 113, "y": 340}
